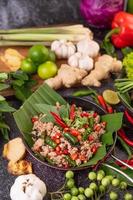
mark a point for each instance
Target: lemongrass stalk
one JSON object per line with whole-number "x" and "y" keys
{"x": 22, "y": 43}
{"x": 42, "y": 37}
{"x": 75, "y": 28}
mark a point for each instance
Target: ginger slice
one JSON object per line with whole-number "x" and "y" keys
{"x": 12, "y": 58}
{"x": 19, "y": 168}
{"x": 14, "y": 150}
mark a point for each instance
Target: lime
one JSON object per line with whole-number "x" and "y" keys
{"x": 111, "y": 97}
{"x": 28, "y": 66}
{"x": 52, "y": 56}
{"x": 47, "y": 70}
{"x": 38, "y": 53}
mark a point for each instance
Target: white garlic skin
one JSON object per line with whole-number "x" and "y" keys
{"x": 81, "y": 61}
{"x": 63, "y": 49}
{"x": 88, "y": 47}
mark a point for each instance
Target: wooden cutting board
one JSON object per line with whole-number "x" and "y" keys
{"x": 5, "y": 68}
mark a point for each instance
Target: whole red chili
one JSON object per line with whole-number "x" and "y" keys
{"x": 128, "y": 116}
{"x": 122, "y": 134}
{"x": 109, "y": 109}
{"x": 72, "y": 112}
{"x": 58, "y": 120}
{"x": 102, "y": 101}
{"x": 122, "y": 30}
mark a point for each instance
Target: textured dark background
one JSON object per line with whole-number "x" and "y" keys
{"x": 24, "y": 13}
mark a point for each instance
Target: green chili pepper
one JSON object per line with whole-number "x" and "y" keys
{"x": 50, "y": 142}
{"x": 91, "y": 122}
{"x": 70, "y": 161}
{"x": 81, "y": 93}
{"x": 87, "y": 133}
{"x": 71, "y": 138}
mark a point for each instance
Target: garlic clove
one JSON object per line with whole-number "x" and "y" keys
{"x": 86, "y": 63}
{"x": 64, "y": 51}
{"x": 88, "y": 47}
{"x": 55, "y": 45}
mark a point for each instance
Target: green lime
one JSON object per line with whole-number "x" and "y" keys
{"x": 111, "y": 97}
{"x": 38, "y": 53}
{"x": 52, "y": 56}
{"x": 28, "y": 66}
{"x": 47, "y": 70}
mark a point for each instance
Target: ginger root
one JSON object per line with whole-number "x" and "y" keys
{"x": 19, "y": 168}
{"x": 14, "y": 150}
{"x": 67, "y": 76}
{"x": 12, "y": 58}
{"x": 103, "y": 66}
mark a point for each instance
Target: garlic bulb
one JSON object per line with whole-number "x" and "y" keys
{"x": 63, "y": 49}
{"x": 88, "y": 47}
{"x": 28, "y": 187}
{"x": 81, "y": 61}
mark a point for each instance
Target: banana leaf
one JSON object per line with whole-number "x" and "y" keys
{"x": 43, "y": 95}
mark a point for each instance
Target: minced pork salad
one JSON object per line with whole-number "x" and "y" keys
{"x": 68, "y": 142}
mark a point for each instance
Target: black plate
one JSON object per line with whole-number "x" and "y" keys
{"x": 86, "y": 105}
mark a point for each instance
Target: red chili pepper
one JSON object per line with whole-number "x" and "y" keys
{"x": 34, "y": 119}
{"x": 85, "y": 125}
{"x": 128, "y": 116}
{"x": 109, "y": 109}
{"x": 66, "y": 129}
{"x": 129, "y": 162}
{"x": 122, "y": 134}
{"x": 101, "y": 101}
{"x": 65, "y": 151}
{"x": 79, "y": 137}
{"x": 74, "y": 132}
{"x": 84, "y": 114}
{"x": 95, "y": 114}
{"x": 58, "y": 120}
{"x": 91, "y": 138}
{"x": 122, "y": 33}
{"x": 72, "y": 112}
{"x": 94, "y": 149}
{"x": 57, "y": 141}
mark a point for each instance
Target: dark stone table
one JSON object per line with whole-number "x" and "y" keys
{"x": 21, "y": 13}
